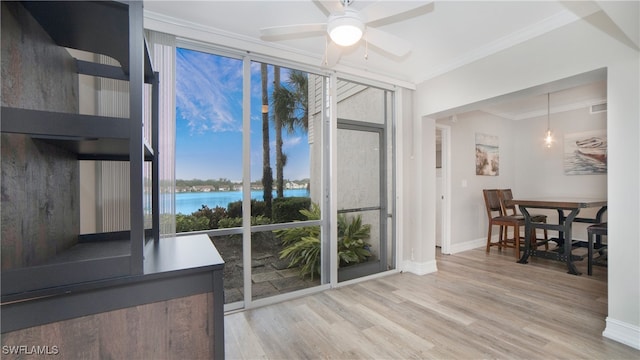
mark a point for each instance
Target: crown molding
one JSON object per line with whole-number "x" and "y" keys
{"x": 544, "y": 26}
{"x": 240, "y": 45}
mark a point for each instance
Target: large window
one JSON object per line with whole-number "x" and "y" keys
{"x": 277, "y": 162}
{"x": 252, "y": 165}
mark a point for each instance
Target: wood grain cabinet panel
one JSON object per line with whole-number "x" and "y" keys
{"x": 174, "y": 329}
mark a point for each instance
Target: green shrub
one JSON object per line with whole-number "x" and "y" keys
{"x": 287, "y": 209}
{"x": 185, "y": 223}
{"x": 234, "y": 209}
{"x": 232, "y": 222}
{"x": 213, "y": 216}
{"x": 237, "y": 222}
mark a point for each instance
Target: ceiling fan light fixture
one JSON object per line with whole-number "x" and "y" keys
{"x": 345, "y": 29}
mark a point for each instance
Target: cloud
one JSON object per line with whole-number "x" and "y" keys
{"x": 208, "y": 92}
{"x": 291, "y": 142}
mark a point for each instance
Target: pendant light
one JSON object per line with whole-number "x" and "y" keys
{"x": 548, "y": 139}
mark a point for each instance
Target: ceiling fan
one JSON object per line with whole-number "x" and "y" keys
{"x": 346, "y": 26}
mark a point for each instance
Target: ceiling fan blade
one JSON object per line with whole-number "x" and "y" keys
{"x": 288, "y": 31}
{"x": 386, "y": 9}
{"x": 387, "y": 42}
{"x": 333, "y": 54}
{"x": 329, "y": 6}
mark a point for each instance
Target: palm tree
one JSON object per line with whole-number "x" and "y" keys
{"x": 291, "y": 111}
{"x": 267, "y": 175}
{"x": 278, "y": 127}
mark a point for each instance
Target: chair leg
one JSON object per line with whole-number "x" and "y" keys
{"x": 590, "y": 236}
{"x": 489, "y": 238}
{"x": 516, "y": 240}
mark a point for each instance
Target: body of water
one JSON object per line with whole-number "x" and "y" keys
{"x": 187, "y": 203}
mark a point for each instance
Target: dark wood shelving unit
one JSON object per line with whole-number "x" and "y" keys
{"x": 114, "y": 29}
{"x": 104, "y": 272}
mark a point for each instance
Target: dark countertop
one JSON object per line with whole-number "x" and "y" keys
{"x": 182, "y": 253}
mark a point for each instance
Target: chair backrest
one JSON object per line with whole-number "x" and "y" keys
{"x": 506, "y": 194}
{"x": 492, "y": 202}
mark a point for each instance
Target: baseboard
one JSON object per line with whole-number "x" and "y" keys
{"x": 420, "y": 268}
{"x": 622, "y": 332}
{"x": 468, "y": 245}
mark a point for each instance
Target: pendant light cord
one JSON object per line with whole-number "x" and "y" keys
{"x": 548, "y": 112}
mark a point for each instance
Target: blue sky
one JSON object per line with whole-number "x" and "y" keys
{"x": 209, "y": 121}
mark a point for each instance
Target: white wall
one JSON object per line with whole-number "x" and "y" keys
{"x": 573, "y": 49}
{"x": 526, "y": 166}
{"x": 469, "y": 216}
{"x": 418, "y": 182}
{"x": 540, "y": 171}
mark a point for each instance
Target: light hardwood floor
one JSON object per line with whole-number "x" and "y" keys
{"x": 477, "y": 306}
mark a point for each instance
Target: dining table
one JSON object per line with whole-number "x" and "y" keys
{"x": 568, "y": 210}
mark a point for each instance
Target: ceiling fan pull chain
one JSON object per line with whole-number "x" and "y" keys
{"x": 326, "y": 52}
{"x": 366, "y": 48}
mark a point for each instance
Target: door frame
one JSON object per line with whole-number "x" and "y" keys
{"x": 361, "y": 270}
{"x": 445, "y": 210}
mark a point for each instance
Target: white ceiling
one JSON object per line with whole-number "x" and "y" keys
{"x": 444, "y": 34}
{"x": 528, "y": 107}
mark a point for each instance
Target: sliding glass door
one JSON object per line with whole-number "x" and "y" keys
{"x": 252, "y": 150}
{"x": 365, "y": 223}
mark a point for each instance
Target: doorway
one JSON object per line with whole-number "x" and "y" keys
{"x": 443, "y": 188}
{"x": 361, "y": 202}
{"x": 365, "y": 191}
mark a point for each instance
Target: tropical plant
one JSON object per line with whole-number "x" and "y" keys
{"x": 302, "y": 245}
{"x": 291, "y": 111}
{"x": 277, "y": 121}
{"x": 352, "y": 247}
{"x": 267, "y": 174}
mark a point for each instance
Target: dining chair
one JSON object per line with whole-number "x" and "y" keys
{"x": 510, "y": 209}
{"x": 504, "y": 222}
{"x": 592, "y": 231}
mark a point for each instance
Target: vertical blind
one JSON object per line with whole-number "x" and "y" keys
{"x": 112, "y": 178}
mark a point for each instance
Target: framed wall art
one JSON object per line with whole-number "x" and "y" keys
{"x": 487, "y": 155}
{"x": 585, "y": 153}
